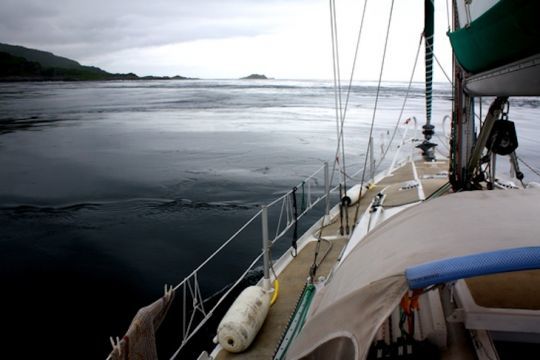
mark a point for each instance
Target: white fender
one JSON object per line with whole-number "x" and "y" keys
{"x": 354, "y": 193}
{"x": 244, "y": 319}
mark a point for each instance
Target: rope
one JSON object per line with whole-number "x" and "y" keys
{"x": 315, "y": 266}
{"x": 377, "y": 96}
{"x": 276, "y": 292}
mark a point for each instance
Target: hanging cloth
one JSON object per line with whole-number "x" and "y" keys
{"x": 140, "y": 339}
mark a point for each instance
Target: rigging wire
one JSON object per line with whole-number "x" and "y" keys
{"x": 443, "y": 142}
{"x": 441, "y": 67}
{"x": 396, "y": 127}
{"x": 407, "y": 94}
{"x": 376, "y": 97}
{"x": 338, "y": 99}
{"x": 341, "y": 128}
{"x": 339, "y": 120}
{"x": 535, "y": 171}
{"x": 337, "y": 86}
{"x": 448, "y": 14}
{"x": 354, "y": 62}
{"x": 342, "y": 110}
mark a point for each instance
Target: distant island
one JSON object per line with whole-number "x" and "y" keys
{"x": 18, "y": 63}
{"x": 255, "y": 77}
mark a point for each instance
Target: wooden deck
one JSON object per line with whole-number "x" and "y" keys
{"x": 294, "y": 276}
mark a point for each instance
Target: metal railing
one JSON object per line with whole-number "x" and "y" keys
{"x": 312, "y": 191}
{"x": 289, "y": 209}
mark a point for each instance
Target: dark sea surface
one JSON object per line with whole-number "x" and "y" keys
{"x": 109, "y": 190}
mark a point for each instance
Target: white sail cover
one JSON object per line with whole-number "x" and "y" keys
{"x": 370, "y": 282}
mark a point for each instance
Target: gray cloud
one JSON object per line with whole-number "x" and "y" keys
{"x": 82, "y": 29}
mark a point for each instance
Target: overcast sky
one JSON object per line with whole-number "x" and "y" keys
{"x": 288, "y": 39}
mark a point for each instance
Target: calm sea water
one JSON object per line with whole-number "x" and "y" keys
{"x": 108, "y": 190}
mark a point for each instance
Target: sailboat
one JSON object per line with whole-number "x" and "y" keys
{"x": 434, "y": 257}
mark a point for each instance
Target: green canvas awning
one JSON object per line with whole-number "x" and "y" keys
{"x": 507, "y": 32}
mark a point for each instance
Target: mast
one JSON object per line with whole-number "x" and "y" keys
{"x": 496, "y": 53}
{"x": 462, "y": 135}
{"x": 428, "y": 147}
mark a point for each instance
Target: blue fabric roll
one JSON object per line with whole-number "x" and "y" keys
{"x": 485, "y": 263}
